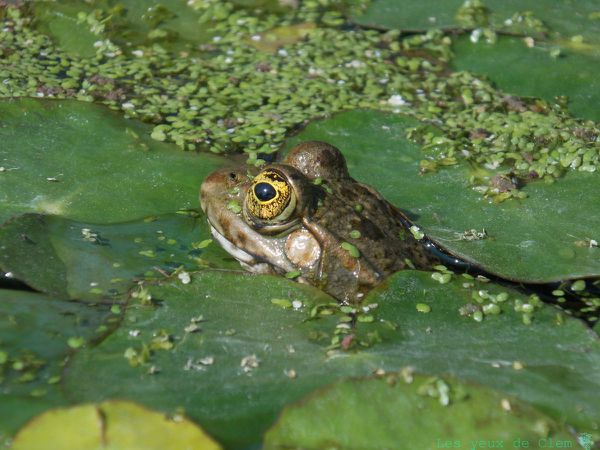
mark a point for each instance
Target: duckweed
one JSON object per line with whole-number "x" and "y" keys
{"x": 234, "y": 206}
{"x": 227, "y": 95}
{"x": 351, "y": 249}
{"x": 282, "y": 302}
{"x": 441, "y": 278}
{"x": 139, "y": 357}
{"x": 491, "y": 309}
{"x": 416, "y": 232}
{"x": 293, "y": 274}
{"x": 578, "y": 286}
{"x": 423, "y": 307}
{"x": 365, "y": 318}
{"x": 355, "y": 234}
{"x": 75, "y": 342}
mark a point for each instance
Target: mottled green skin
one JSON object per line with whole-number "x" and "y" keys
{"x": 336, "y": 210}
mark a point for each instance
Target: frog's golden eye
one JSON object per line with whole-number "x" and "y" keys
{"x": 271, "y": 197}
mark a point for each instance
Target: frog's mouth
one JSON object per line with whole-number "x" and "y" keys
{"x": 247, "y": 260}
{"x": 230, "y": 248}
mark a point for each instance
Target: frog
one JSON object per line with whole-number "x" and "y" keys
{"x": 306, "y": 218}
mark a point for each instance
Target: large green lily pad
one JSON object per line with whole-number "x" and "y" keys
{"x": 85, "y": 162}
{"x": 88, "y": 261}
{"x": 173, "y": 24}
{"x": 537, "y": 239}
{"x": 250, "y": 357}
{"x": 59, "y": 20}
{"x": 561, "y": 355}
{"x": 114, "y": 425}
{"x": 411, "y": 15}
{"x": 204, "y": 372}
{"x": 412, "y": 411}
{"x": 177, "y": 25}
{"x": 564, "y": 19}
{"x": 534, "y": 72}
{"x": 37, "y": 333}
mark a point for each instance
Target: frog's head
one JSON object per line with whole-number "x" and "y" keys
{"x": 264, "y": 219}
{"x": 258, "y": 218}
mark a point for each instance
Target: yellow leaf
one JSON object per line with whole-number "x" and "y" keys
{"x": 111, "y": 425}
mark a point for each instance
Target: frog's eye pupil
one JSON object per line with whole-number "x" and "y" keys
{"x": 264, "y": 192}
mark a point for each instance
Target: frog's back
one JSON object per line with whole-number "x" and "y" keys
{"x": 359, "y": 215}
{"x": 353, "y": 213}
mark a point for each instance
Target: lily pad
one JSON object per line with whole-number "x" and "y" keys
{"x": 500, "y": 351}
{"x": 537, "y": 239}
{"x": 115, "y": 425}
{"x": 85, "y": 162}
{"x": 231, "y": 366}
{"x": 271, "y": 40}
{"x": 59, "y": 20}
{"x": 37, "y": 334}
{"x": 410, "y": 15}
{"x": 564, "y": 19}
{"x": 228, "y": 351}
{"x": 76, "y": 25}
{"x": 535, "y": 72}
{"x": 88, "y": 261}
{"x": 382, "y": 412}
{"x": 177, "y": 25}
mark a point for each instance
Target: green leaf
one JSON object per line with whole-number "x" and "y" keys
{"x": 526, "y": 239}
{"x": 247, "y": 381}
{"x": 59, "y": 20}
{"x": 282, "y": 302}
{"x": 355, "y": 234}
{"x": 351, "y": 249}
{"x": 423, "y": 307}
{"x": 499, "y": 352}
{"x": 559, "y": 17}
{"x": 76, "y": 342}
{"x": 104, "y": 173}
{"x": 278, "y": 37}
{"x": 35, "y": 336}
{"x": 174, "y": 24}
{"x": 115, "y": 424}
{"x": 534, "y": 72}
{"x": 410, "y": 15}
{"x": 89, "y": 261}
{"x": 277, "y": 355}
{"x": 380, "y": 412}
{"x": 578, "y": 286}
{"x": 234, "y": 206}
{"x": 293, "y": 274}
